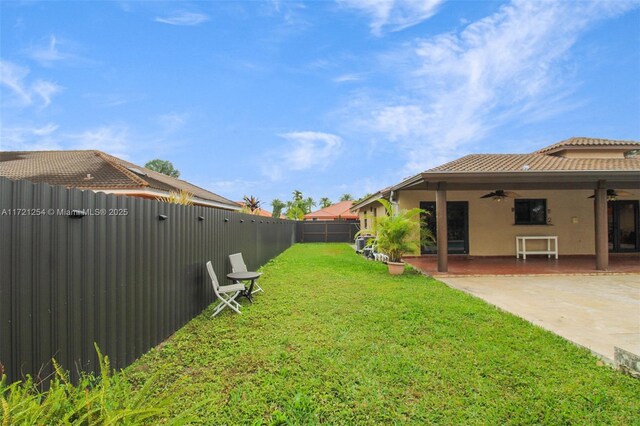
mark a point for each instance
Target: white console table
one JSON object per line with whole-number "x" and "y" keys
{"x": 521, "y": 245}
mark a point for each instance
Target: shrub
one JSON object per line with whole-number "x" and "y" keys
{"x": 106, "y": 399}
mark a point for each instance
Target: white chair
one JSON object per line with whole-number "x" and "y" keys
{"x": 238, "y": 265}
{"x": 226, "y": 293}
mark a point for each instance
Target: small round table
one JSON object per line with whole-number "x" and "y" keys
{"x": 245, "y": 276}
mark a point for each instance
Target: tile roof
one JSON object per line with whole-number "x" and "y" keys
{"x": 92, "y": 169}
{"x": 543, "y": 160}
{"x": 334, "y": 211}
{"x": 581, "y": 142}
{"x": 535, "y": 162}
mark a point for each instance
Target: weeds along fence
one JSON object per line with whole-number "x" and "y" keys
{"x": 126, "y": 275}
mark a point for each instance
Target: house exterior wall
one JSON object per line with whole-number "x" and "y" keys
{"x": 369, "y": 212}
{"x": 492, "y": 232}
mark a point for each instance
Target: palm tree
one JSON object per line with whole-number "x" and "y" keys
{"x": 297, "y": 195}
{"x": 252, "y": 204}
{"x": 277, "y": 205}
{"x": 346, "y": 197}
{"x": 308, "y": 204}
{"x": 325, "y": 202}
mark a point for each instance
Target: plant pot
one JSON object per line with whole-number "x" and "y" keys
{"x": 395, "y": 268}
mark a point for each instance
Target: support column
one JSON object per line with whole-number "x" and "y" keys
{"x": 441, "y": 223}
{"x": 602, "y": 227}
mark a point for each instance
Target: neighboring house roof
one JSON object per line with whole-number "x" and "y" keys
{"x": 98, "y": 171}
{"x": 335, "y": 211}
{"x": 258, "y": 212}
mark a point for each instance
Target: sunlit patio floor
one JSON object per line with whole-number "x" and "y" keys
{"x": 463, "y": 265}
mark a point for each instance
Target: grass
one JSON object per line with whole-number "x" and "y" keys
{"x": 335, "y": 339}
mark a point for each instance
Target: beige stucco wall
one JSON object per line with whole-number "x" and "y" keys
{"x": 374, "y": 209}
{"x": 491, "y": 224}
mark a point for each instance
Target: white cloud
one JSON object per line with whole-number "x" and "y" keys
{"x": 109, "y": 100}
{"x": 346, "y": 78}
{"x": 183, "y": 18}
{"x": 310, "y": 149}
{"x": 459, "y": 87}
{"x": 113, "y": 139}
{"x": 48, "y": 52}
{"x": 29, "y": 138}
{"x": 14, "y": 78}
{"x": 46, "y": 90}
{"x": 235, "y": 188}
{"x": 394, "y": 15}
{"x": 172, "y": 122}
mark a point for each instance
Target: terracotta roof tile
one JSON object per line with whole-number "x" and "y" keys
{"x": 581, "y": 142}
{"x": 535, "y": 162}
{"x": 334, "y": 211}
{"x": 92, "y": 169}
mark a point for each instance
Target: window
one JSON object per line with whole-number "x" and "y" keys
{"x": 531, "y": 212}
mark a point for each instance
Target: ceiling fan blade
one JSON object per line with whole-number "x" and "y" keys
{"x": 489, "y": 195}
{"x": 511, "y": 194}
{"x": 625, "y": 194}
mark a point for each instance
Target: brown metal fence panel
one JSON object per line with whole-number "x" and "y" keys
{"x": 327, "y": 231}
{"x": 119, "y": 276}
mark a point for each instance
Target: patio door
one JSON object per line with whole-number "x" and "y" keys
{"x": 457, "y": 226}
{"x": 623, "y": 226}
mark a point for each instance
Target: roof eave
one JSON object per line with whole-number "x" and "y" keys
{"x": 158, "y": 193}
{"x": 371, "y": 199}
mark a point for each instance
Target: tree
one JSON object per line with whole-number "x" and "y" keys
{"x": 295, "y": 211}
{"x": 308, "y": 204}
{"x": 163, "y": 166}
{"x": 367, "y": 195}
{"x": 251, "y": 204}
{"x": 299, "y": 206}
{"x": 277, "y": 205}
{"x": 346, "y": 197}
{"x": 325, "y": 202}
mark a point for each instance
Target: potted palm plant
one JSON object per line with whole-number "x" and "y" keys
{"x": 398, "y": 234}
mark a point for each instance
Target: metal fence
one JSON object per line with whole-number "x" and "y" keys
{"x": 126, "y": 275}
{"x": 327, "y": 231}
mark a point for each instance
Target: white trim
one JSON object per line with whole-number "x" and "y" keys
{"x": 158, "y": 193}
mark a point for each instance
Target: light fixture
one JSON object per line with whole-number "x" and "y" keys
{"x": 613, "y": 195}
{"x": 163, "y": 217}
{"x": 499, "y": 194}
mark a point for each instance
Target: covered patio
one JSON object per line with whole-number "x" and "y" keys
{"x": 576, "y": 201}
{"x": 464, "y": 265}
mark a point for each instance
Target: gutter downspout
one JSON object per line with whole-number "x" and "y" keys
{"x": 394, "y": 203}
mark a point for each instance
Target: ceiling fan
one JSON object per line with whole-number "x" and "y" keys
{"x": 499, "y": 195}
{"x": 613, "y": 195}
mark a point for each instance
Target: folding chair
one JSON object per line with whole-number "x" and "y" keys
{"x": 238, "y": 265}
{"x": 224, "y": 293}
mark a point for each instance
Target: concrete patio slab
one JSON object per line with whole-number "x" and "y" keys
{"x": 597, "y": 312}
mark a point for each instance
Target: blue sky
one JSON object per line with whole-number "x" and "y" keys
{"x": 261, "y": 98}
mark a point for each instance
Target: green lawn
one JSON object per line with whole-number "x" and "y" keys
{"x": 334, "y": 339}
